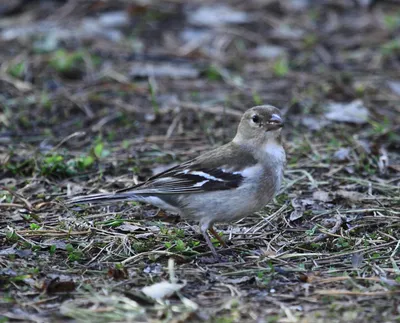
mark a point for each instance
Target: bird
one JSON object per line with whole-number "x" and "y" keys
{"x": 223, "y": 185}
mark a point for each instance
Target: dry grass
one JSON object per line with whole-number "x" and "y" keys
{"x": 73, "y": 121}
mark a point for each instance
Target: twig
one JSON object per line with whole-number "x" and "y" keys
{"x": 148, "y": 253}
{"x": 75, "y": 134}
{"x": 332, "y": 231}
{"x": 28, "y": 205}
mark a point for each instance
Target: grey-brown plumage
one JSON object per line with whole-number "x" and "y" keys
{"x": 223, "y": 185}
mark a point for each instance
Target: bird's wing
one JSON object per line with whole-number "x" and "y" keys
{"x": 220, "y": 169}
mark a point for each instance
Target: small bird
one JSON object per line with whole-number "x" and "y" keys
{"x": 222, "y": 185}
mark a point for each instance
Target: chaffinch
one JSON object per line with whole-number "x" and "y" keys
{"x": 222, "y": 185}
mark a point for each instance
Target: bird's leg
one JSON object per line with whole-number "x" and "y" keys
{"x": 161, "y": 213}
{"x": 217, "y": 236}
{"x": 203, "y": 230}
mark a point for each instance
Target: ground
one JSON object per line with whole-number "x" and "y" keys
{"x": 96, "y": 96}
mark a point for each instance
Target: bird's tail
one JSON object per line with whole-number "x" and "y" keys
{"x": 102, "y": 198}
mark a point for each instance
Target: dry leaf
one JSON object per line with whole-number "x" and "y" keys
{"x": 299, "y": 205}
{"x": 342, "y": 154}
{"x": 351, "y": 195}
{"x": 56, "y": 286}
{"x": 395, "y": 167}
{"x": 321, "y": 196}
{"x": 394, "y": 86}
{"x": 217, "y": 15}
{"x": 383, "y": 161}
{"x": 126, "y": 227}
{"x": 17, "y": 252}
{"x": 240, "y": 280}
{"x": 357, "y": 259}
{"x": 353, "y": 112}
{"x": 118, "y": 273}
{"x": 161, "y": 290}
{"x": 166, "y": 70}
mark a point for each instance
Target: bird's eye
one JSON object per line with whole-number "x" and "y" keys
{"x": 255, "y": 118}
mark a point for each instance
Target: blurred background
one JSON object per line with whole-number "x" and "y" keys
{"x": 98, "y": 95}
{"x": 77, "y": 74}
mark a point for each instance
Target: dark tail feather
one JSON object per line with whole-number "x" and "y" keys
{"x": 101, "y": 198}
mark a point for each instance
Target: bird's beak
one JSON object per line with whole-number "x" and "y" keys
{"x": 276, "y": 121}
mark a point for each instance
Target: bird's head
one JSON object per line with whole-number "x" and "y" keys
{"x": 259, "y": 124}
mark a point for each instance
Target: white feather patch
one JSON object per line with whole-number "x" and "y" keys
{"x": 200, "y": 184}
{"x": 253, "y": 171}
{"x": 207, "y": 176}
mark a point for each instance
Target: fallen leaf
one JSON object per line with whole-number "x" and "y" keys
{"x": 164, "y": 70}
{"x": 217, "y": 15}
{"x": 18, "y": 252}
{"x": 353, "y": 112}
{"x": 109, "y": 308}
{"x": 305, "y": 278}
{"x": 144, "y": 235}
{"x": 296, "y": 214}
{"x": 351, "y": 195}
{"x": 343, "y": 154}
{"x": 195, "y": 35}
{"x": 241, "y": 280}
{"x": 389, "y": 282}
{"x": 313, "y": 123}
{"x": 295, "y": 5}
{"x": 268, "y": 51}
{"x": 162, "y": 290}
{"x": 299, "y": 206}
{"x": 114, "y": 19}
{"x": 309, "y": 277}
{"x": 363, "y": 147}
{"x": 59, "y": 244}
{"x": 395, "y": 167}
{"x": 357, "y": 259}
{"x": 8, "y": 181}
{"x": 321, "y": 196}
{"x": 126, "y": 227}
{"x": 287, "y": 32}
{"x": 55, "y": 286}
{"x": 394, "y": 86}
{"x": 118, "y": 273}
{"x": 383, "y": 161}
